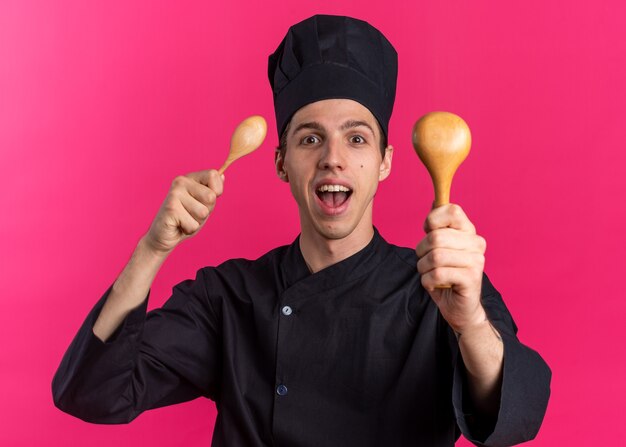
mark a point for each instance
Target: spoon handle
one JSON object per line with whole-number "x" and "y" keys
{"x": 226, "y": 164}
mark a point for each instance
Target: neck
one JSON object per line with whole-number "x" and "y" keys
{"x": 320, "y": 252}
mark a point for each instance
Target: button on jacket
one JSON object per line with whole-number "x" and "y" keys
{"x": 356, "y": 354}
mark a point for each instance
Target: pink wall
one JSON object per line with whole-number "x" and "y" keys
{"x": 102, "y": 104}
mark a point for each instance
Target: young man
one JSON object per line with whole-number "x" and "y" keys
{"x": 339, "y": 338}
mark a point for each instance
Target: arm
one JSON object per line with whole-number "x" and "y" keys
{"x": 504, "y": 384}
{"x": 523, "y": 392}
{"x": 482, "y": 352}
{"x": 185, "y": 210}
{"x": 452, "y": 257}
{"x": 120, "y": 362}
{"x": 129, "y": 290}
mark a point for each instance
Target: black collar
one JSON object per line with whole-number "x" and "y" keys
{"x": 296, "y": 273}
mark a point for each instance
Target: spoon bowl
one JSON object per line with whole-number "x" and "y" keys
{"x": 442, "y": 141}
{"x": 247, "y": 137}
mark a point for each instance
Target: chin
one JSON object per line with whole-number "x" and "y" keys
{"x": 335, "y": 231}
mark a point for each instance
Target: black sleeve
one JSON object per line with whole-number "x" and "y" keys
{"x": 168, "y": 356}
{"x": 525, "y": 385}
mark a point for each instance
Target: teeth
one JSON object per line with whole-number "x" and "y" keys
{"x": 333, "y": 188}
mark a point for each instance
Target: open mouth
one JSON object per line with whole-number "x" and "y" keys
{"x": 333, "y": 196}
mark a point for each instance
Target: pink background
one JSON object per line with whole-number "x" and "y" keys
{"x": 102, "y": 104}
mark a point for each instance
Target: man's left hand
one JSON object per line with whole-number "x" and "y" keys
{"x": 452, "y": 254}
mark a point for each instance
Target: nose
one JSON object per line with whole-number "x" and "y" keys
{"x": 332, "y": 156}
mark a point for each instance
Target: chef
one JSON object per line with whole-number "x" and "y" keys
{"x": 339, "y": 338}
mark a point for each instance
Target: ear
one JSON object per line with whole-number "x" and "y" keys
{"x": 385, "y": 165}
{"x": 279, "y": 162}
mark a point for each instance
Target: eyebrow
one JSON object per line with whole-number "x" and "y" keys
{"x": 309, "y": 125}
{"x": 351, "y": 124}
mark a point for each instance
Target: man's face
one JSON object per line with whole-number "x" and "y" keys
{"x": 333, "y": 164}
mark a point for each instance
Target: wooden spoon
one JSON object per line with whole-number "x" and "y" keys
{"x": 442, "y": 141}
{"x": 247, "y": 137}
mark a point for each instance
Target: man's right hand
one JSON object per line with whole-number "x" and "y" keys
{"x": 187, "y": 206}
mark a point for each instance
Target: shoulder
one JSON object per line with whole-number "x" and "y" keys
{"x": 241, "y": 273}
{"x": 264, "y": 262}
{"x": 400, "y": 265}
{"x": 400, "y": 255}
{"x": 405, "y": 255}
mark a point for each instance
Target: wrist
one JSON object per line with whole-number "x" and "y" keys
{"x": 475, "y": 324}
{"x": 146, "y": 250}
{"x": 478, "y": 331}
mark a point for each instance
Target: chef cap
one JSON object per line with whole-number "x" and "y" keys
{"x": 326, "y": 57}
